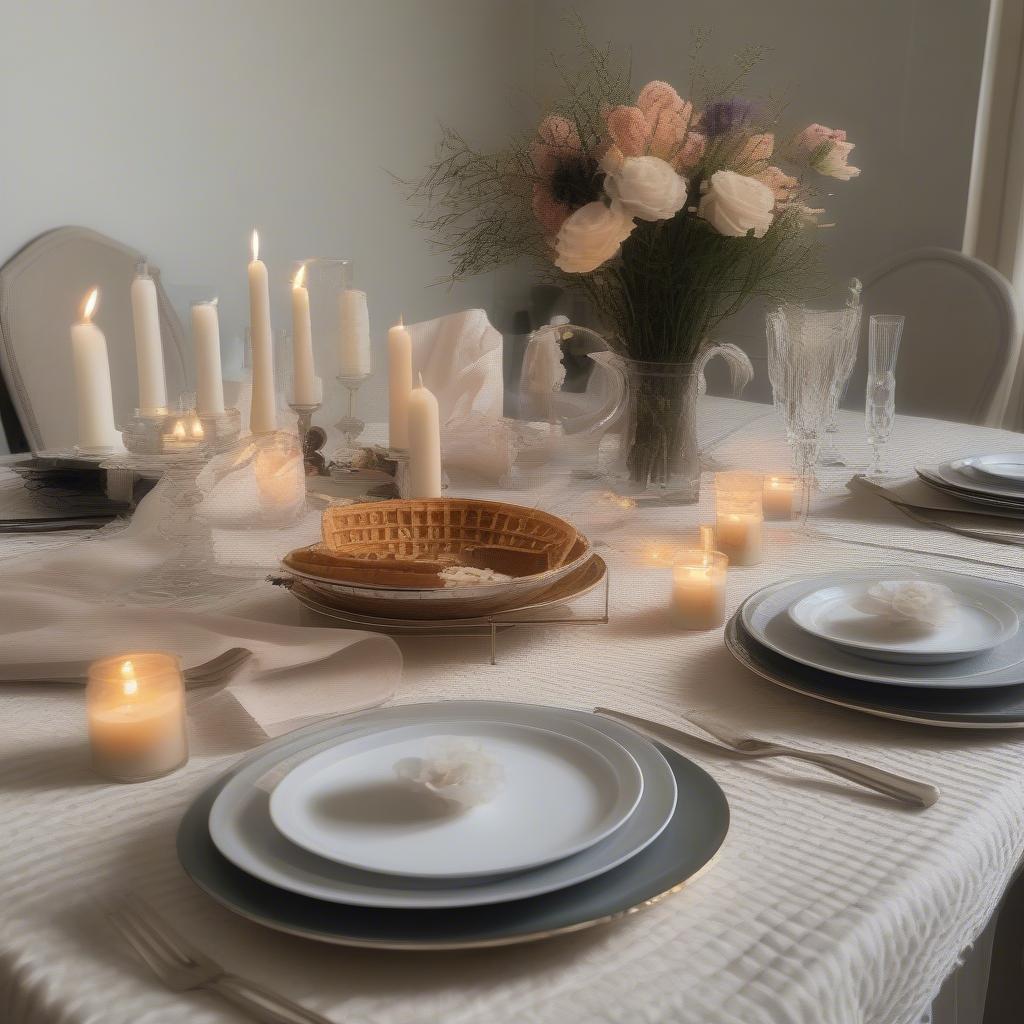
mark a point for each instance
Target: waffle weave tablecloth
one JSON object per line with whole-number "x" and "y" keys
{"x": 826, "y": 905}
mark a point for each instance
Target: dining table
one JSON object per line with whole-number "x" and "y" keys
{"x": 827, "y": 904}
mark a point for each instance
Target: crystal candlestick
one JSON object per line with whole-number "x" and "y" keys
{"x": 350, "y": 425}
{"x": 311, "y": 439}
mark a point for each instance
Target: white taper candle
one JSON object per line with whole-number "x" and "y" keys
{"x": 93, "y": 394}
{"x": 263, "y": 414}
{"x": 149, "y": 352}
{"x": 399, "y": 385}
{"x": 424, "y": 444}
{"x": 206, "y": 340}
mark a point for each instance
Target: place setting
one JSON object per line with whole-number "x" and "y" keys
{"x": 928, "y": 646}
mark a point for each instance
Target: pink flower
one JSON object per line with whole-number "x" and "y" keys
{"x": 827, "y": 151}
{"x": 692, "y": 150}
{"x": 757, "y": 149}
{"x": 668, "y": 117}
{"x": 783, "y": 185}
{"x": 560, "y": 164}
{"x": 629, "y": 130}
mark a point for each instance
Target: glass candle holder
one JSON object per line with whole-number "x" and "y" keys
{"x": 135, "y": 704}
{"x": 698, "y": 588}
{"x": 779, "y": 496}
{"x": 280, "y": 476}
{"x": 739, "y": 519}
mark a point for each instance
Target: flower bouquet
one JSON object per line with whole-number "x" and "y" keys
{"x": 669, "y": 215}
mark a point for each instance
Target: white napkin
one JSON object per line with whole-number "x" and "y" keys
{"x": 459, "y": 356}
{"x": 295, "y": 672}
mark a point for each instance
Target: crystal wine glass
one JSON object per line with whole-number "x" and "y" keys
{"x": 805, "y": 357}
{"x": 884, "y": 335}
{"x": 846, "y": 325}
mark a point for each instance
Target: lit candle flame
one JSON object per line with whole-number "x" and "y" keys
{"x": 300, "y": 277}
{"x": 773, "y": 482}
{"x": 89, "y": 306}
{"x": 130, "y": 685}
{"x": 179, "y": 431}
{"x": 197, "y": 428}
{"x": 255, "y": 245}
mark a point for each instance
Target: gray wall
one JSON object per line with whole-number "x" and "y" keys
{"x": 901, "y": 76}
{"x": 176, "y": 126}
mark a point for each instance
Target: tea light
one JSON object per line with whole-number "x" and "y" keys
{"x": 778, "y": 495}
{"x": 698, "y": 585}
{"x": 135, "y": 705}
{"x": 739, "y": 528}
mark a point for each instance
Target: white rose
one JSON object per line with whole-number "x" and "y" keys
{"x": 647, "y": 186}
{"x": 735, "y": 204}
{"x": 591, "y": 236}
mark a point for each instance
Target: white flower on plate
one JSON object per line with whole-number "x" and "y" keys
{"x": 647, "y": 187}
{"x": 735, "y": 204}
{"x": 909, "y": 600}
{"x": 457, "y": 769}
{"x": 592, "y": 236}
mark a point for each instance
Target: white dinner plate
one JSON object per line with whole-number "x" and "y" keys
{"x": 1004, "y": 507}
{"x": 1004, "y": 466}
{"x": 242, "y": 831}
{"x": 978, "y": 623}
{"x": 956, "y": 474}
{"x": 560, "y": 795}
{"x": 765, "y": 616}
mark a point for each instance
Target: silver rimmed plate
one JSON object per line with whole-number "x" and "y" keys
{"x": 994, "y": 506}
{"x": 241, "y": 829}
{"x": 684, "y": 850}
{"x": 977, "y": 624}
{"x": 560, "y": 794}
{"x": 1007, "y": 467}
{"x": 766, "y": 618}
{"x": 989, "y": 708}
{"x": 958, "y": 475}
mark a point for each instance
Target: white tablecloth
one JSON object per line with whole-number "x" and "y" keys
{"x": 826, "y": 905}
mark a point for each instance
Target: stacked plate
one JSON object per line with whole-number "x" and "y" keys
{"x": 994, "y": 482}
{"x": 317, "y": 834}
{"x": 813, "y": 635}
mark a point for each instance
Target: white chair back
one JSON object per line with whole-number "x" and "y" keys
{"x": 41, "y": 291}
{"x": 961, "y": 340}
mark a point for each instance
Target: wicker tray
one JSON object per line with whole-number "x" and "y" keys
{"x": 424, "y": 536}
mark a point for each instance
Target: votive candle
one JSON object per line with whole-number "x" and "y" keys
{"x": 698, "y": 588}
{"x": 739, "y": 524}
{"x": 135, "y": 705}
{"x": 779, "y": 493}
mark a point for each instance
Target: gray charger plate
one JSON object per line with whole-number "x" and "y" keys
{"x": 685, "y": 849}
{"x": 1000, "y": 707}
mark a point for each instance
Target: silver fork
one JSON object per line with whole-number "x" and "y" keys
{"x": 182, "y": 967}
{"x": 898, "y": 787}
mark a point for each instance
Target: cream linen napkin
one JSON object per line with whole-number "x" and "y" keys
{"x": 933, "y": 507}
{"x": 295, "y": 672}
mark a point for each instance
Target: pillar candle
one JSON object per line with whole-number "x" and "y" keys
{"x": 206, "y": 340}
{"x": 263, "y": 414}
{"x": 304, "y": 383}
{"x": 93, "y": 395}
{"x": 779, "y": 492}
{"x": 354, "y": 333}
{"x": 149, "y": 353}
{"x": 136, "y": 716}
{"x": 399, "y": 385}
{"x": 424, "y": 444}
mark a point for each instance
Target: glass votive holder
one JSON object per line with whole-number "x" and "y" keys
{"x": 135, "y": 706}
{"x": 779, "y": 496}
{"x": 739, "y": 516}
{"x": 280, "y": 476}
{"x": 698, "y": 588}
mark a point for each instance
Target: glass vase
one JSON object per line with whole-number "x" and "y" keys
{"x": 659, "y": 461}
